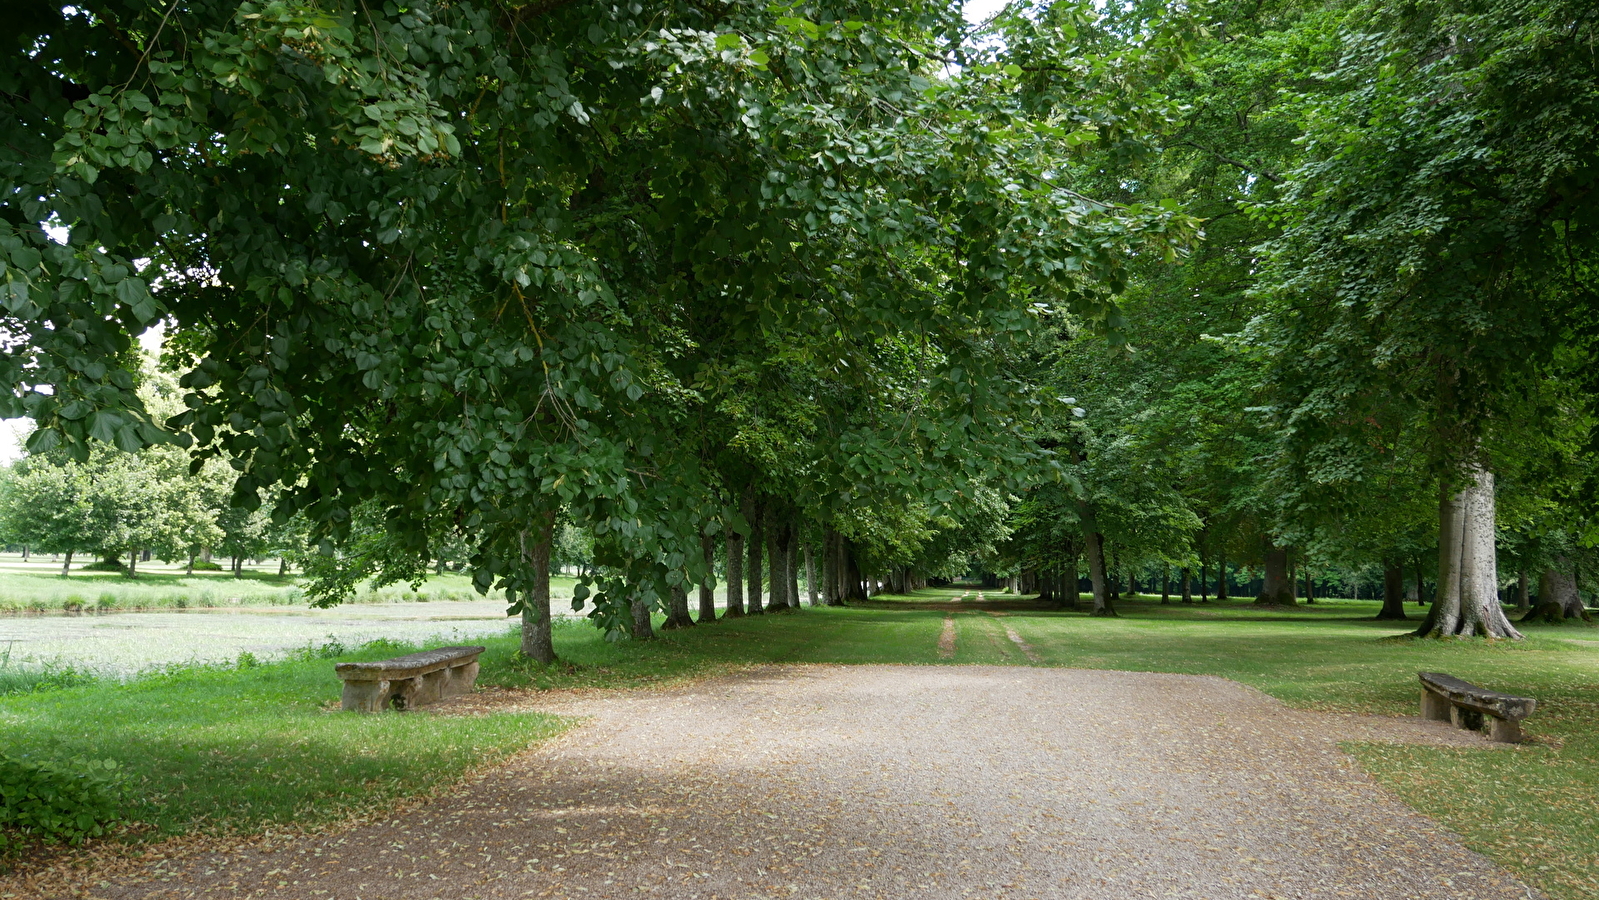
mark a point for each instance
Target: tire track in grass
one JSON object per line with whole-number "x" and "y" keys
{"x": 946, "y": 640}
{"x": 1026, "y": 648}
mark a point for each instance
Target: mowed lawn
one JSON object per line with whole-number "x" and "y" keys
{"x": 238, "y": 749}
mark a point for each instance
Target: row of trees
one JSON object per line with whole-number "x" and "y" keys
{"x": 870, "y": 280}
{"x": 1381, "y": 353}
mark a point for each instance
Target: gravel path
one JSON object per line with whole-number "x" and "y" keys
{"x": 896, "y": 782}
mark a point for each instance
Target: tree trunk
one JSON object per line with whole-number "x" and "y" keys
{"x": 708, "y": 583}
{"x": 24, "y": 552}
{"x": 537, "y": 641}
{"x": 1221, "y": 576}
{"x": 1165, "y": 584}
{"x": 1421, "y": 584}
{"x": 1522, "y": 600}
{"x": 283, "y": 566}
{"x": 752, "y": 572}
{"x": 1094, "y": 544}
{"x": 66, "y": 567}
{"x": 810, "y": 575}
{"x": 1276, "y": 591}
{"x": 734, "y": 545}
{"x": 1558, "y": 599}
{"x": 1132, "y": 584}
{"x": 133, "y": 563}
{"x": 854, "y": 583}
{"x": 1310, "y": 586}
{"x": 775, "y": 599}
{"x": 677, "y": 615}
{"x": 190, "y": 569}
{"x": 791, "y": 554}
{"x": 1468, "y": 602}
{"x": 1204, "y": 580}
{"x": 642, "y": 631}
{"x": 1393, "y": 590}
{"x": 1188, "y": 585}
{"x": 238, "y": 567}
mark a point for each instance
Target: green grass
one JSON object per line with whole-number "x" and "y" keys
{"x": 239, "y": 749}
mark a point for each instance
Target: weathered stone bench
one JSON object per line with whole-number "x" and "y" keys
{"x": 1447, "y": 698}
{"x": 406, "y": 682}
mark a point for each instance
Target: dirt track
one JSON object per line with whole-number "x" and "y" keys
{"x": 882, "y": 781}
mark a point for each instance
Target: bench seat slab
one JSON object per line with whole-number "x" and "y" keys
{"x": 407, "y": 682}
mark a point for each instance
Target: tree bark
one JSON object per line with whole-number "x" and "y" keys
{"x": 1094, "y": 544}
{"x": 642, "y": 631}
{"x": 1276, "y": 591}
{"x": 1467, "y": 604}
{"x": 1310, "y": 586}
{"x": 1204, "y": 579}
{"x": 66, "y": 567}
{"x": 537, "y": 641}
{"x": 283, "y": 566}
{"x": 1165, "y": 584}
{"x": 133, "y": 563}
{"x": 1522, "y": 600}
{"x": 1393, "y": 590}
{"x": 1221, "y": 576}
{"x": 754, "y": 511}
{"x": 677, "y": 615}
{"x": 854, "y": 582}
{"x": 775, "y": 587}
{"x": 708, "y": 583}
{"x": 190, "y": 569}
{"x": 735, "y": 575}
{"x": 1558, "y": 599}
{"x": 1188, "y": 585}
{"x": 810, "y": 575}
{"x": 791, "y": 554}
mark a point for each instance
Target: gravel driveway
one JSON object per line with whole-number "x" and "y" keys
{"x": 896, "y": 782}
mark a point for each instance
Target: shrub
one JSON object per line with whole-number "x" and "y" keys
{"x": 201, "y": 565}
{"x": 57, "y": 799}
{"x": 105, "y": 565}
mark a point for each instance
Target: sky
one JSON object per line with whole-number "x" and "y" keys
{"x": 13, "y": 431}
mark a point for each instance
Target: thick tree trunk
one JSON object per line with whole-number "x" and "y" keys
{"x": 238, "y": 567}
{"x": 642, "y": 630}
{"x": 1094, "y": 544}
{"x": 708, "y": 583}
{"x": 66, "y": 567}
{"x": 1522, "y": 600}
{"x": 1467, "y": 604}
{"x": 190, "y": 569}
{"x": 1132, "y": 584}
{"x": 735, "y": 575}
{"x": 775, "y": 601}
{"x": 1421, "y": 584}
{"x": 755, "y": 511}
{"x": 854, "y": 582}
{"x": 133, "y": 563}
{"x": 1165, "y": 584}
{"x": 1188, "y": 585}
{"x": 677, "y": 614}
{"x": 1393, "y": 590}
{"x": 283, "y": 566}
{"x": 1046, "y": 586}
{"x": 1558, "y": 599}
{"x": 24, "y": 552}
{"x": 1221, "y": 576}
{"x": 810, "y": 576}
{"x": 1276, "y": 591}
{"x": 791, "y": 555}
{"x": 537, "y": 641}
{"x": 1310, "y": 586}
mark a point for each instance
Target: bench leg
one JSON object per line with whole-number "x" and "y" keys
{"x": 365, "y": 696}
{"x": 1506, "y": 730}
{"x": 1466, "y": 718}
{"x": 1433, "y": 706}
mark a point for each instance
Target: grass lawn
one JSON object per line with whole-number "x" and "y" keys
{"x": 244, "y": 748}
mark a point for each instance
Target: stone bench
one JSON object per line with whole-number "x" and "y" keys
{"x": 1446, "y": 698}
{"x": 406, "y": 682}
